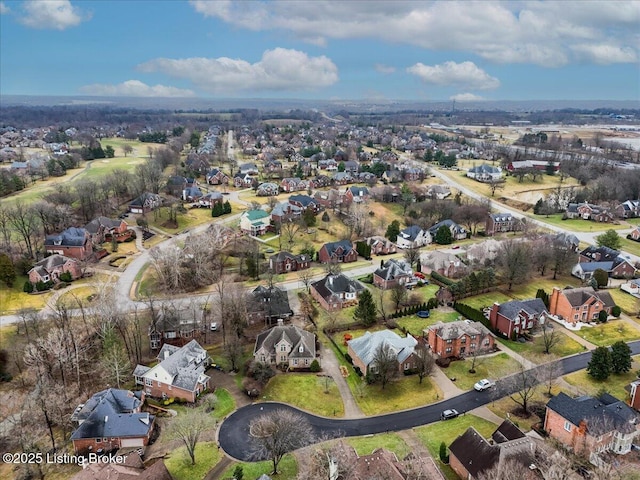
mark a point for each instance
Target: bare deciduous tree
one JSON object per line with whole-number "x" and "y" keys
{"x": 506, "y": 469}
{"x": 305, "y": 276}
{"x": 514, "y": 261}
{"x": 277, "y": 433}
{"x": 550, "y": 337}
{"x": 384, "y": 364}
{"x": 425, "y": 362}
{"x": 188, "y": 426}
{"x": 399, "y": 295}
{"x": 412, "y": 255}
{"x": 525, "y": 383}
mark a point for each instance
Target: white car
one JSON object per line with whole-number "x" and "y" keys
{"x": 484, "y": 384}
{"x": 214, "y": 327}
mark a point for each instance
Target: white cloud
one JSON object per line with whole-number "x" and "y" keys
{"x": 134, "y": 88}
{"x": 4, "y": 9}
{"x": 386, "y": 69}
{"x": 605, "y": 54}
{"x": 51, "y": 14}
{"x": 465, "y": 74}
{"x": 541, "y": 33}
{"x": 278, "y": 69}
{"x": 466, "y": 97}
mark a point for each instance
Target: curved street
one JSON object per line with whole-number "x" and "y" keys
{"x": 235, "y": 440}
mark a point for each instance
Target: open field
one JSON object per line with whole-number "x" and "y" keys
{"x": 391, "y": 441}
{"x": 608, "y": 333}
{"x": 627, "y": 302}
{"x": 630, "y": 246}
{"x": 415, "y": 324}
{"x": 308, "y": 391}
{"x": 534, "y": 351}
{"x": 179, "y": 464}
{"x": 14, "y": 299}
{"x": 287, "y": 469}
{"x": 615, "y": 384}
{"x": 485, "y": 300}
{"x": 577, "y": 224}
{"x": 493, "y": 367}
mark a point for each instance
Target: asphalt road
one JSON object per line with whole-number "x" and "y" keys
{"x": 235, "y": 440}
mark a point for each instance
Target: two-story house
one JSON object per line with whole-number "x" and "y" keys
{"x": 579, "y": 304}
{"x": 459, "y": 339}
{"x": 356, "y": 194}
{"x": 180, "y": 373}
{"x": 284, "y": 262}
{"x": 215, "y": 176}
{"x": 305, "y": 202}
{"x": 413, "y": 237}
{"x": 363, "y": 350}
{"x": 110, "y": 420}
{"x": 285, "y": 344}
{"x": 446, "y": 264}
{"x": 590, "y": 426}
{"x": 50, "y": 268}
{"x": 73, "y": 242}
{"x": 337, "y": 252}
{"x": 458, "y": 232}
{"x": 268, "y": 305}
{"x": 380, "y": 245}
{"x": 335, "y": 292}
{"x": 394, "y": 272}
{"x": 517, "y": 316}
{"x": 176, "y": 326}
{"x": 502, "y": 222}
{"x": 145, "y": 203}
{"x": 255, "y": 222}
{"x": 102, "y": 229}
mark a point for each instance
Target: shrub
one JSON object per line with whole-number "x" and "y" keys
{"x": 66, "y": 277}
{"x": 27, "y": 287}
{"x": 616, "y": 311}
{"x": 432, "y": 303}
{"x": 392, "y": 324}
{"x": 41, "y": 286}
{"x": 348, "y": 358}
{"x": 602, "y": 316}
{"x": 315, "y": 366}
{"x": 358, "y": 371}
{"x": 444, "y": 458}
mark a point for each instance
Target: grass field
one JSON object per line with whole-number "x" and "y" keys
{"x": 316, "y": 394}
{"x": 432, "y": 435}
{"x": 607, "y": 333}
{"x": 494, "y": 367}
{"x": 627, "y": 302}
{"x": 192, "y": 218}
{"x": 534, "y": 351}
{"x": 179, "y": 464}
{"x": 287, "y": 469}
{"x": 630, "y": 246}
{"x": 391, "y": 441}
{"x": 81, "y": 293}
{"x": 485, "y": 300}
{"x": 577, "y": 224}
{"x": 14, "y": 299}
{"x": 615, "y": 384}
{"x": 415, "y": 324}
{"x": 400, "y": 394}
{"x": 226, "y": 404}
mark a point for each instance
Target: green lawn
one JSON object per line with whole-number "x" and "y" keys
{"x": 447, "y": 431}
{"x": 400, "y": 394}
{"x": 308, "y": 391}
{"x": 485, "y": 300}
{"x": 100, "y": 168}
{"x": 287, "y": 469}
{"x": 226, "y": 404}
{"x": 391, "y": 441}
{"x": 630, "y": 246}
{"x": 14, "y": 299}
{"x": 615, "y": 384}
{"x": 627, "y": 302}
{"x": 415, "y": 324}
{"x": 179, "y": 464}
{"x": 534, "y": 351}
{"x": 576, "y": 224}
{"x": 610, "y": 332}
{"x": 530, "y": 288}
{"x": 192, "y": 218}
{"x": 493, "y": 367}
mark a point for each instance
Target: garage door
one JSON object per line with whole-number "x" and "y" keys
{"x": 132, "y": 442}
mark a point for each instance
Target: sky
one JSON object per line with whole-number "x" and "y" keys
{"x": 315, "y": 49}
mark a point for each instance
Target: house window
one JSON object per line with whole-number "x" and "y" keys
{"x": 575, "y": 317}
{"x": 283, "y": 348}
{"x": 472, "y": 346}
{"x": 463, "y": 340}
{"x": 449, "y": 341}
{"x": 295, "y": 361}
{"x": 283, "y": 358}
{"x": 159, "y": 383}
{"x": 567, "y": 426}
{"x": 262, "y": 358}
{"x": 406, "y": 366}
{"x": 148, "y": 382}
{"x": 448, "y": 350}
{"x": 486, "y": 342}
{"x": 169, "y": 387}
{"x": 306, "y": 361}
{"x": 473, "y": 337}
{"x": 98, "y": 440}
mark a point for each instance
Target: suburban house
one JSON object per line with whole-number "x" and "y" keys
{"x": 335, "y": 292}
{"x": 439, "y": 192}
{"x": 590, "y": 426}
{"x": 541, "y": 165}
{"x": 248, "y": 169}
{"x": 245, "y": 180}
{"x": 632, "y": 287}
{"x": 446, "y": 264}
{"x": 179, "y": 373}
{"x": 394, "y": 272}
{"x": 285, "y": 212}
{"x": 356, "y": 194}
{"x": 589, "y": 211}
{"x": 268, "y": 304}
{"x": 380, "y": 245}
{"x": 413, "y": 237}
{"x": 566, "y": 240}
{"x": 634, "y": 394}
{"x": 101, "y": 229}
{"x": 471, "y": 454}
{"x": 329, "y": 199}
{"x": 50, "y": 268}
{"x": 579, "y": 304}
{"x": 191, "y": 194}
{"x": 215, "y": 176}
{"x": 145, "y": 203}
{"x": 363, "y": 350}
{"x": 208, "y": 200}
{"x": 304, "y": 202}
{"x": 293, "y": 184}
{"x": 459, "y": 339}
{"x": 392, "y": 176}
{"x": 110, "y": 420}
{"x": 485, "y": 173}
{"x": 594, "y": 253}
{"x": 337, "y": 252}
{"x": 628, "y": 209}
{"x": 255, "y": 222}
{"x": 176, "y": 185}
{"x": 131, "y": 468}
{"x": 285, "y": 262}
{"x": 458, "y": 232}
{"x": 635, "y": 234}
{"x": 73, "y": 242}
{"x": 176, "y": 327}
{"x": 501, "y": 222}
{"x": 286, "y": 344}
{"x": 517, "y": 316}
{"x": 619, "y": 268}
{"x": 267, "y": 189}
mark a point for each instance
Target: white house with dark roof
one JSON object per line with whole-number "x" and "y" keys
{"x": 180, "y": 373}
{"x": 485, "y": 173}
{"x": 458, "y": 232}
{"x": 413, "y": 237}
{"x": 286, "y": 344}
{"x": 363, "y": 350}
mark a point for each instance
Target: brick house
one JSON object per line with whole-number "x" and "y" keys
{"x": 145, "y": 203}
{"x": 446, "y": 264}
{"x": 394, "y": 272}
{"x": 485, "y": 173}
{"x": 579, "y": 304}
{"x": 502, "y": 222}
{"x": 628, "y": 209}
{"x": 356, "y": 194}
{"x": 380, "y": 245}
{"x": 335, "y": 292}
{"x": 338, "y": 252}
{"x": 514, "y": 317}
{"x": 267, "y": 189}
{"x": 459, "y": 339}
{"x": 590, "y": 426}
{"x": 618, "y": 268}
{"x": 285, "y": 262}
{"x": 110, "y": 420}
{"x": 176, "y": 327}
{"x": 458, "y": 232}
{"x": 635, "y": 234}
{"x": 245, "y": 180}
{"x": 179, "y": 373}
{"x": 293, "y": 184}
{"x": 268, "y": 305}
{"x": 285, "y": 212}
{"x": 597, "y": 213}
{"x": 594, "y": 253}
{"x": 332, "y": 198}
{"x": 216, "y": 176}
{"x": 102, "y": 229}
{"x": 285, "y": 344}
{"x": 50, "y": 268}
{"x": 634, "y": 394}
{"x": 363, "y": 349}
{"x": 471, "y": 454}
{"x": 305, "y": 202}
{"x": 73, "y": 242}
{"x": 208, "y": 200}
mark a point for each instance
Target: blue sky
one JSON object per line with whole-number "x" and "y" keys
{"x": 401, "y": 50}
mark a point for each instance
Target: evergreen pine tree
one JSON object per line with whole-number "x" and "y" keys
{"x": 365, "y": 312}
{"x": 599, "y": 366}
{"x": 620, "y": 357}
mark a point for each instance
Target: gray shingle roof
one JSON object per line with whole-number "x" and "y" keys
{"x": 333, "y": 284}
{"x": 331, "y": 247}
{"x": 272, "y": 301}
{"x": 185, "y": 364}
{"x": 411, "y": 233}
{"x": 453, "y": 330}
{"x": 474, "y": 452}
{"x": 456, "y": 229}
{"x": 303, "y": 342}
{"x": 533, "y": 306}
{"x": 394, "y": 268}
{"x": 71, "y": 237}
{"x": 579, "y": 296}
{"x": 108, "y": 223}
{"x": 365, "y": 346}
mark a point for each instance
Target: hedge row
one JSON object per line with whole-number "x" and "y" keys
{"x": 441, "y": 279}
{"x": 409, "y": 310}
{"x": 472, "y": 314}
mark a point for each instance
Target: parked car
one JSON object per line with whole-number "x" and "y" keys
{"x": 449, "y": 414}
{"x": 484, "y": 384}
{"x": 423, "y": 314}
{"x": 214, "y": 327}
